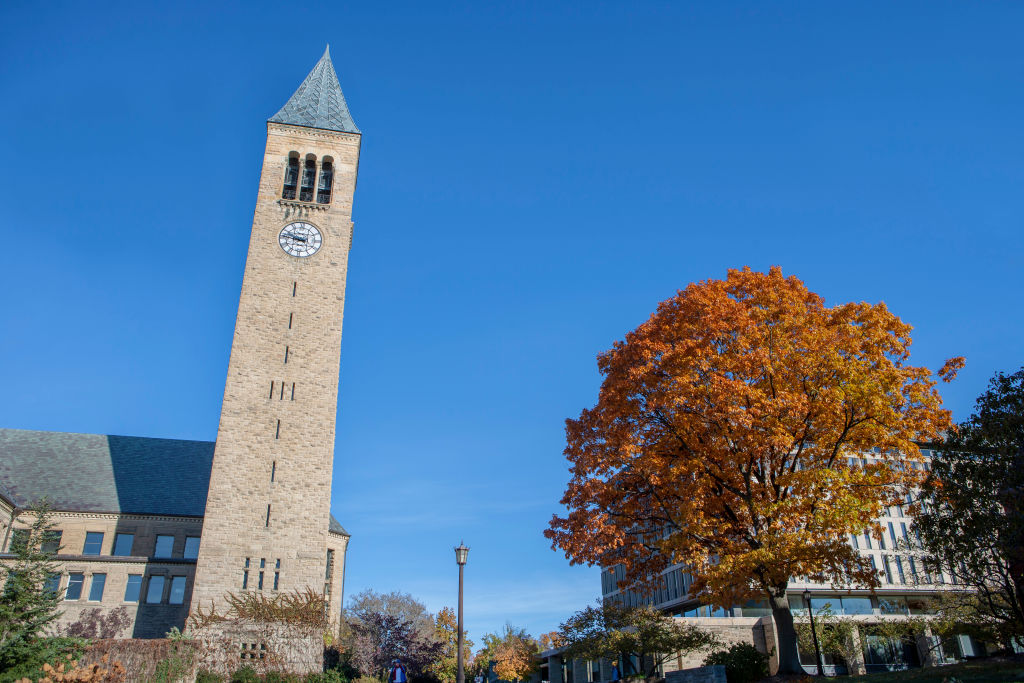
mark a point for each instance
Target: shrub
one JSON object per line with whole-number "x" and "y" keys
{"x": 204, "y": 676}
{"x": 51, "y": 651}
{"x": 245, "y": 675}
{"x": 278, "y": 677}
{"x": 743, "y": 663}
{"x": 329, "y": 676}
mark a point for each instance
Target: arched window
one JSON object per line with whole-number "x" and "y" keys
{"x": 308, "y": 179}
{"x": 323, "y": 193}
{"x": 291, "y": 176}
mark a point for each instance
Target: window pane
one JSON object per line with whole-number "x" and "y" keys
{"x": 191, "y": 547}
{"x": 96, "y": 589}
{"x": 164, "y": 546}
{"x": 52, "y": 583}
{"x": 177, "y": 590}
{"x": 892, "y": 605}
{"x": 123, "y": 544}
{"x": 156, "y": 590}
{"x": 51, "y": 541}
{"x": 19, "y": 537}
{"x": 74, "y": 591}
{"x": 856, "y": 605}
{"x": 93, "y": 543}
{"x": 133, "y": 588}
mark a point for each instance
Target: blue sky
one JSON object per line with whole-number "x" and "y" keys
{"x": 535, "y": 178}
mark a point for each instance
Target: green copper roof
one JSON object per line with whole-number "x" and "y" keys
{"x": 318, "y": 103}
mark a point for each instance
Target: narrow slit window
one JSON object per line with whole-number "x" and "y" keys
{"x": 282, "y": 391}
{"x": 290, "y": 315}
{"x": 323, "y": 194}
{"x": 286, "y": 354}
{"x": 308, "y": 179}
{"x": 277, "y": 434}
{"x": 271, "y": 388}
{"x": 294, "y": 287}
{"x": 293, "y": 391}
{"x": 277, "y": 578}
{"x": 266, "y": 524}
{"x": 273, "y": 470}
{"x": 291, "y": 177}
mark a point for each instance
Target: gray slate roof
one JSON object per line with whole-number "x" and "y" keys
{"x": 106, "y": 473}
{"x": 318, "y": 103}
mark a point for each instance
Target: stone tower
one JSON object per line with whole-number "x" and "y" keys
{"x": 268, "y": 525}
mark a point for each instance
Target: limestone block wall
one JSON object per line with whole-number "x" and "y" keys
{"x": 270, "y": 486}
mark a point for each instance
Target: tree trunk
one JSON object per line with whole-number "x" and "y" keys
{"x": 789, "y": 656}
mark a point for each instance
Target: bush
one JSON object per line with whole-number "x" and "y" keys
{"x": 246, "y": 675}
{"x": 51, "y": 651}
{"x": 743, "y": 663}
{"x": 205, "y": 676}
{"x": 329, "y": 676}
{"x": 278, "y": 677}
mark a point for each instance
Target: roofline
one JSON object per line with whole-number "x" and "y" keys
{"x": 327, "y": 130}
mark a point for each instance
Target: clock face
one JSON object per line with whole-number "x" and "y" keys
{"x": 300, "y": 239}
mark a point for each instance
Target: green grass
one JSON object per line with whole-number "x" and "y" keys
{"x": 969, "y": 672}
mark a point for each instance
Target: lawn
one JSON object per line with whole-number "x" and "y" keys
{"x": 996, "y": 669}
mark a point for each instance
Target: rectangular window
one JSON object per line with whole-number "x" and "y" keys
{"x": 155, "y": 593}
{"x": 853, "y": 537}
{"x": 892, "y": 534}
{"x": 888, "y": 568}
{"x": 74, "y": 591}
{"x": 259, "y": 586}
{"x": 52, "y": 583}
{"x": 99, "y": 581}
{"x": 906, "y": 536}
{"x": 177, "y": 596}
{"x": 164, "y": 546}
{"x": 133, "y": 588}
{"x": 19, "y": 537}
{"x": 51, "y": 541}
{"x": 191, "y": 548}
{"x": 245, "y": 580}
{"x": 867, "y": 540}
{"x": 277, "y": 577}
{"x": 899, "y": 569}
{"x": 123, "y": 544}
{"x": 93, "y": 543}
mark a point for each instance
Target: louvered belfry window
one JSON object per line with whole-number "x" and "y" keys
{"x": 308, "y": 180}
{"x": 291, "y": 177}
{"x": 323, "y": 195}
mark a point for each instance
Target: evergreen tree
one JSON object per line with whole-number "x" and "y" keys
{"x": 29, "y": 598}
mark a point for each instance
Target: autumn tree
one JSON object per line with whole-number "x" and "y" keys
{"x": 972, "y": 521}
{"x": 612, "y": 631}
{"x": 721, "y": 438}
{"x": 380, "y": 627}
{"x": 513, "y": 654}
{"x": 446, "y": 632}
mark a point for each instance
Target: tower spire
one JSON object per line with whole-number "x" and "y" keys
{"x": 318, "y": 102}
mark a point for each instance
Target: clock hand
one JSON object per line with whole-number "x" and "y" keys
{"x": 295, "y": 237}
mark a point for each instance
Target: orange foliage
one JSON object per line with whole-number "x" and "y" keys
{"x": 722, "y": 431}
{"x": 70, "y": 672}
{"x": 551, "y": 640}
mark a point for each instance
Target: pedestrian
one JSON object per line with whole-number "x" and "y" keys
{"x": 398, "y": 672}
{"x": 615, "y": 673}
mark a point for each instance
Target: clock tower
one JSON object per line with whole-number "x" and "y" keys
{"x": 268, "y": 525}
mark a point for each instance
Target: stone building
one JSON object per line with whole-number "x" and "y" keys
{"x": 155, "y": 527}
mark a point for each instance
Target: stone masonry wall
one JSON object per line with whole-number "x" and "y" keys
{"x": 288, "y": 330}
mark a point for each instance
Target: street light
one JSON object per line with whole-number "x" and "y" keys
{"x": 814, "y": 634}
{"x": 461, "y": 553}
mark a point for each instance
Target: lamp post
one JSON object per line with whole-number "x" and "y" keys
{"x": 814, "y": 634}
{"x": 461, "y": 553}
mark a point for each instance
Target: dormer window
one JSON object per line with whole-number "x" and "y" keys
{"x": 308, "y": 179}
{"x": 323, "y": 194}
{"x": 291, "y": 177}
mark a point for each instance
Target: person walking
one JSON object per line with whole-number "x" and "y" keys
{"x": 398, "y": 673}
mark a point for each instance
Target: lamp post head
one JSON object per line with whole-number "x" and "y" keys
{"x": 461, "y": 553}
{"x": 807, "y": 596}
